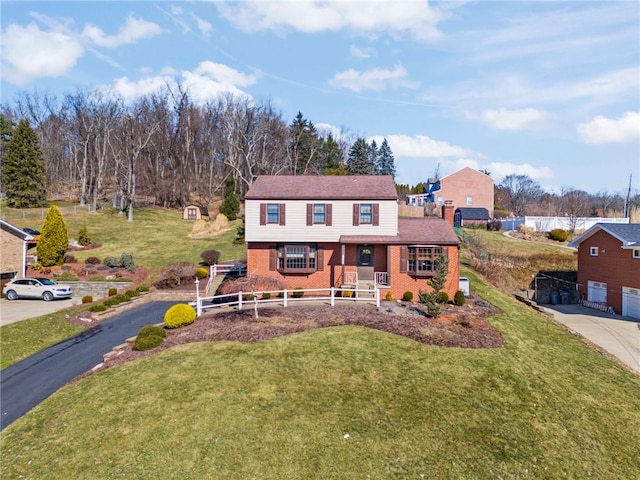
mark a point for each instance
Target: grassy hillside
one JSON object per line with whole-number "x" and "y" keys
{"x": 345, "y": 402}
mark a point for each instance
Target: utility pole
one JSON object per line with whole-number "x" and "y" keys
{"x": 628, "y": 199}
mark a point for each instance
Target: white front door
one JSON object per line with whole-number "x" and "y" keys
{"x": 597, "y": 292}
{"x": 631, "y": 302}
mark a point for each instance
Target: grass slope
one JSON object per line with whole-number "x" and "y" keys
{"x": 344, "y": 402}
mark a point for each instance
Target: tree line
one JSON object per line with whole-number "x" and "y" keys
{"x": 164, "y": 149}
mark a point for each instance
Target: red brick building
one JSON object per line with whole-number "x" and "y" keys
{"x": 323, "y": 231}
{"x": 609, "y": 266}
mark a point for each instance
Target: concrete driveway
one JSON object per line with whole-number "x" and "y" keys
{"x": 16, "y": 310}
{"x": 620, "y": 336}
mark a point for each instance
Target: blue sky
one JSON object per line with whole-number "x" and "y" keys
{"x": 544, "y": 88}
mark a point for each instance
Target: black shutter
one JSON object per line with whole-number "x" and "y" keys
{"x": 327, "y": 214}
{"x": 376, "y": 214}
{"x": 309, "y": 214}
{"x": 356, "y": 214}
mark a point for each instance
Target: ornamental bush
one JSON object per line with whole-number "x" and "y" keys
{"x": 201, "y": 273}
{"x": 92, "y": 261}
{"x": 210, "y": 257}
{"x": 87, "y": 299}
{"x": 112, "y": 291}
{"x": 111, "y": 262}
{"x": 100, "y": 307}
{"x": 179, "y": 315}
{"x": 442, "y": 297}
{"x": 297, "y": 292}
{"x": 54, "y": 239}
{"x": 69, "y": 258}
{"x": 266, "y": 296}
{"x": 67, "y": 277}
{"x": 459, "y": 298}
{"x": 126, "y": 260}
{"x": 149, "y": 337}
{"x": 83, "y": 236}
{"x": 559, "y": 235}
{"x": 407, "y": 296}
{"x": 388, "y": 296}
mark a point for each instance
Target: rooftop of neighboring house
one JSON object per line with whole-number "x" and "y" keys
{"x": 412, "y": 231}
{"x": 473, "y": 213}
{"x": 627, "y": 233}
{"x": 322, "y": 187}
{"x": 18, "y": 232}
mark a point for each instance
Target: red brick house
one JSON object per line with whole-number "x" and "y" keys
{"x": 13, "y": 244}
{"x": 609, "y": 266}
{"x": 466, "y": 188}
{"x": 323, "y": 231}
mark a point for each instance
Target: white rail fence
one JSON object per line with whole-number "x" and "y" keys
{"x": 546, "y": 224}
{"x": 241, "y": 300}
{"x": 239, "y": 269}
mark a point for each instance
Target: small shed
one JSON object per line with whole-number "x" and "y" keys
{"x": 195, "y": 212}
{"x": 466, "y": 215}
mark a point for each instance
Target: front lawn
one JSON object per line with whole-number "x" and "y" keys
{"x": 344, "y": 402}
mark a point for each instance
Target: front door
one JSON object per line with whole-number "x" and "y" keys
{"x": 365, "y": 262}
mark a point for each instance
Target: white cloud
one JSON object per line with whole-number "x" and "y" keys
{"x": 205, "y": 27}
{"x": 133, "y": 30}
{"x": 625, "y": 128}
{"x": 421, "y": 146}
{"x": 376, "y": 79}
{"x": 362, "y": 52}
{"x": 416, "y": 17}
{"x": 206, "y": 81}
{"x": 502, "y": 119}
{"x": 29, "y": 53}
{"x": 499, "y": 170}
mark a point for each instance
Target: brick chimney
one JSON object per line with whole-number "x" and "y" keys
{"x": 447, "y": 211}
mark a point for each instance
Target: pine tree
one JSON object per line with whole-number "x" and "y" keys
{"x": 54, "y": 239}
{"x": 373, "y": 158}
{"x": 358, "y": 162}
{"x": 83, "y": 236}
{"x": 386, "y": 163}
{"x": 23, "y": 170}
{"x": 303, "y": 146}
{"x": 230, "y": 206}
{"x": 330, "y": 155}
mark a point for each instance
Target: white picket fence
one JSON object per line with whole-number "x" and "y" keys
{"x": 284, "y": 297}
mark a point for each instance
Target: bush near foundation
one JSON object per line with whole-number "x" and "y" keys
{"x": 459, "y": 298}
{"x": 179, "y": 315}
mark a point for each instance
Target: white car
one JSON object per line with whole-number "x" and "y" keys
{"x": 35, "y": 288}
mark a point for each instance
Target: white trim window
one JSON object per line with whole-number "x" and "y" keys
{"x": 636, "y": 253}
{"x": 593, "y": 251}
{"x": 469, "y": 200}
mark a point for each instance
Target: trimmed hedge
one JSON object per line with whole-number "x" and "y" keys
{"x": 459, "y": 298}
{"x": 559, "y": 235}
{"x": 179, "y": 315}
{"x": 407, "y": 296}
{"x": 149, "y": 336}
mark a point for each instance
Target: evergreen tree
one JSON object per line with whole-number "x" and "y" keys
{"x": 83, "y": 236}
{"x": 386, "y": 163}
{"x": 54, "y": 239}
{"x": 373, "y": 158}
{"x": 358, "y": 162}
{"x": 23, "y": 171}
{"x": 330, "y": 155}
{"x": 230, "y": 204}
{"x": 6, "y": 132}
{"x": 303, "y": 146}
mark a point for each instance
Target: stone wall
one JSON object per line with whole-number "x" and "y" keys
{"x": 97, "y": 290}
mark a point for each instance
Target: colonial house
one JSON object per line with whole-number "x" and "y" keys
{"x": 323, "y": 231}
{"x": 466, "y": 188}
{"x": 609, "y": 266}
{"x": 195, "y": 212}
{"x": 13, "y": 245}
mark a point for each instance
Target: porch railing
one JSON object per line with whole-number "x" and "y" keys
{"x": 381, "y": 278}
{"x": 350, "y": 278}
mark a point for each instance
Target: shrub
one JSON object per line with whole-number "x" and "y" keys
{"x": 407, "y": 296}
{"x": 526, "y": 231}
{"x": 111, "y": 301}
{"x": 122, "y": 279}
{"x": 112, "y": 291}
{"x": 442, "y": 297}
{"x": 231, "y": 203}
{"x": 111, "y": 262}
{"x": 388, "y": 296}
{"x": 100, "y": 307}
{"x": 210, "y": 257}
{"x": 37, "y": 266}
{"x": 431, "y": 302}
{"x": 297, "y": 292}
{"x": 494, "y": 225}
{"x": 266, "y": 296}
{"x": 142, "y": 288}
{"x": 92, "y": 261}
{"x": 54, "y": 239}
{"x": 173, "y": 275}
{"x": 459, "y": 298}
{"x": 559, "y": 235}
{"x": 87, "y": 299}
{"x": 97, "y": 278}
{"x": 179, "y": 315}
{"x": 249, "y": 297}
{"x": 67, "y": 277}
{"x": 347, "y": 293}
{"x": 121, "y": 297}
{"x": 130, "y": 294}
{"x": 70, "y": 258}
{"x": 83, "y": 236}
{"x": 202, "y": 273}
{"x": 149, "y": 337}
{"x": 126, "y": 260}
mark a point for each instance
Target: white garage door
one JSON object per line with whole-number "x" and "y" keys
{"x": 597, "y": 292}
{"x": 631, "y": 302}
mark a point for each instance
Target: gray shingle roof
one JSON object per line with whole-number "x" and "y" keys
{"x": 322, "y": 187}
{"x": 627, "y": 233}
{"x": 474, "y": 213}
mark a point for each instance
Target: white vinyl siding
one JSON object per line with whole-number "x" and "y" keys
{"x": 296, "y": 229}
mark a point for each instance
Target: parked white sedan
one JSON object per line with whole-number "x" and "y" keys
{"x": 35, "y": 288}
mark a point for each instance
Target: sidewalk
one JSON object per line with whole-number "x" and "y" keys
{"x": 620, "y": 336}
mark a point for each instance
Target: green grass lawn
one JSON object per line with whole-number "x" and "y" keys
{"x": 345, "y": 402}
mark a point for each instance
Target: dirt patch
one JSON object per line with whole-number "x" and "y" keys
{"x": 461, "y": 327}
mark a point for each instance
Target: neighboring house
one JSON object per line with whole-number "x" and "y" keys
{"x": 195, "y": 212}
{"x": 465, "y": 188}
{"x": 13, "y": 245}
{"x": 324, "y": 231}
{"x": 609, "y": 266}
{"x": 465, "y": 216}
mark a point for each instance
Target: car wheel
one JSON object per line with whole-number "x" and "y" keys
{"x": 12, "y": 295}
{"x": 47, "y": 296}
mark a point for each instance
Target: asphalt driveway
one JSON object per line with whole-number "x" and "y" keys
{"x": 30, "y": 381}
{"x": 620, "y": 336}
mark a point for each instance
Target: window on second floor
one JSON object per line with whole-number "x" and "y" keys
{"x": 593, "y": 251}
{"x": 366, "y": 214}
{"x": 469, "y": 200}
{"x": 272, "y": 213}
{"x": 636, "y": 253}
{"x": 319, "y": 214}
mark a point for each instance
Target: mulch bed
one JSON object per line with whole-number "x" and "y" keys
{"x": 461, "y": 327}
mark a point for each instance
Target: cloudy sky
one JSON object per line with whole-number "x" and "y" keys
{"x": 544, "y": 88}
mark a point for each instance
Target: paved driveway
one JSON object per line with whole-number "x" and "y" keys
{"x": 27, "y": 383}
{"x": 16, "y": 310}
{"x": 620, "y": 336}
